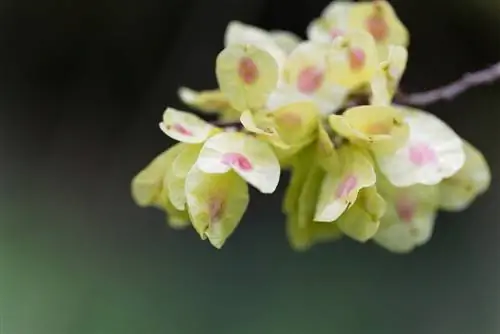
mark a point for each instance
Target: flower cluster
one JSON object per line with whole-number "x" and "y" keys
{"x": 322, "y": 108}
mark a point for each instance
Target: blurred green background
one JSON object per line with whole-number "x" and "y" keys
{"x": 82, "y": 87}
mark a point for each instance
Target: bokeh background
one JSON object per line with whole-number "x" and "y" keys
{"x": 83, "y": 85}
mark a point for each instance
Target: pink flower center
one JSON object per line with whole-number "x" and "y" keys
{"x": 377, "y": 26}
{"x": 357, "y": 58}
{"x": 237, "y": 160}
{"x": 180, "y": 128}
{"x": 346, "y": 186}
{"x": 248, "y": 71}
{"x": 405, "y": 210}
{"x": 309, "y": 80}
{"x": 421, "y": 154}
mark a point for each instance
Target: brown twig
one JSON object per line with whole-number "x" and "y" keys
{"x": 452, "y": 90}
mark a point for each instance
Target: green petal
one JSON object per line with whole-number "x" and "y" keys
{"x": 216, "y": 203}
{"x": 297, "y": 122}
{"x": 473, "y": 179}
{"x": 309, "y": 195}
{"x": 185, "y": 160}
{"x": 362, "y": 220}
{"x": 286, "y": 40}
{"x": 175, "y": 218}
{"x": 262, "y": 125}
{"x": 379, "y": 128}
{"x": 303, "y": 238}
{"x": 327, "y": 155}
{"x": 340, "y": 187}
{"x": 302, "y": 231}
{"x": 208, "y": 101}
{"x": 175, "y": 183}
{"x": 299, "y": 171}
{"x": 147, "y": 185}
{"x": 386, "y": 79}
{"x": 409, "y": 218}
{"x": 246, "y": 75}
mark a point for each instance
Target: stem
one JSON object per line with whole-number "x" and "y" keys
{"x": 228, "y": 125}
{"x": 452, "y": 90}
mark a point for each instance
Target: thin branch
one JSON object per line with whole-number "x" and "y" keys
{"x": 452, "y": 90}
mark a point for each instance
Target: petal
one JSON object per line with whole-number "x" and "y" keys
{"x": 324, "y": 143}
{"x": 337, "y": 12}
{"x": 303, "y": 238}
{"x": 302, "y": 231}
{"x": 185, "y": 127}
{"x": 380, "y": 128}
{"x": 380, "y": 20}
{"x": 209, "y": 101}
{"x": 309, "y": 195}
{"x": 353, "y": 60}
{"x": 300, "y": 168}
{"x": 376, "y": 17}
{"x": 245, "y": 34}
{"x": 334, "y": 22}
{"x": 340, "y": 188}
{"x": 327, "y": 104}
{"x": 379, "y": 86}
{"x": 362, "y": 220}
{"x": 177, "y": 220}
{"x": 216, "y": 203}
{"x": 397, "y": 60}
{"x": 262, "y": 125}
{"x": 147, "y": 185}
{"x": 286, "y": 40}
{"x": 297, "y": 122}
{"x": 307, "y": 72}
{"x": 409, "y": 219}
{"x": 317, "y": 31}
{"x": 288, "y": 128}
{"x": 252, "y": 159}
{"x": 180, "y": 168}
{"x": 246, "y": 75}
{"x": 432, "y": 153}
{"x": 385, "y": 81}
{"x": 473, "y": 179}
{"x": 327, "y": 156}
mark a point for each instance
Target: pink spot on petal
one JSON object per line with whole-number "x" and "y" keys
{"x": 357, "y": 59}
{"x": 309, "y": 80}
{"x": 248, "y": 71}
{"x": 179, "y": 128}
{"x": 346, "y": 186}
{"x": 336, "y": 32}
{"x": 237, "y": 160}
{"x": 421, "y": 154}
{"x": 405, "y": 210}
{"x": 215, "y": 209}
{"x": 378, "y": 128}
{"x": 377, "y": 26}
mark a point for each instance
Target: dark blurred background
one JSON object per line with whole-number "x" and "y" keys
{"x": 83, "y": 85}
